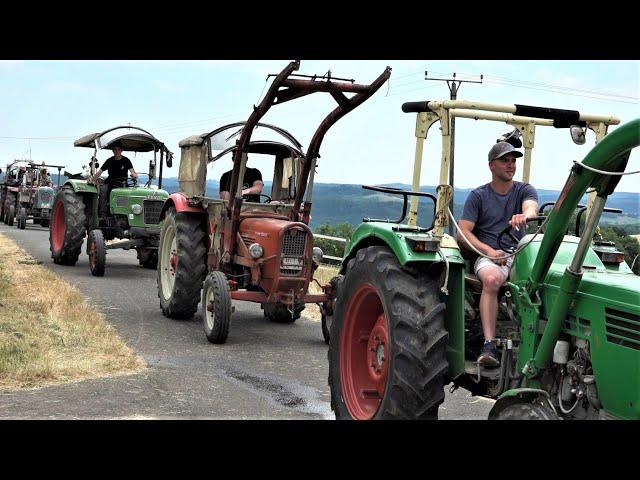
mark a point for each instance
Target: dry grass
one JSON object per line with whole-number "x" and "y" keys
{"x": 323, "y": 274}
{"x": 48, "y": 333}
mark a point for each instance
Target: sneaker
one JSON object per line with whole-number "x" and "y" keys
{"x": 488, "y": 357}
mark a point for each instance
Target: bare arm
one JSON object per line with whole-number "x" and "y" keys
{"x": 255, "y": 189}
{"x": 466, "y": 227}
{"x": 95, "y": 178}
{"x": 529, "y": 210}
{"x": 133, "y": 172}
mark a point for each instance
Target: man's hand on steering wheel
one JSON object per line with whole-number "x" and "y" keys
{"x": 518, "y": 220}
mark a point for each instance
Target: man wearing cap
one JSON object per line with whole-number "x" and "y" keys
{"x": 487, "y": 211}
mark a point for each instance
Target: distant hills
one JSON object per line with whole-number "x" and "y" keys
{"x": 338, "y": 203}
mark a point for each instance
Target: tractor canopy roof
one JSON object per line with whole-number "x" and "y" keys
{"x": 266, "y": 139}
{"x": 131, "y": 139}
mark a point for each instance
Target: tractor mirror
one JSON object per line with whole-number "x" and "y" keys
{"x": 169, "y": 159}
{"x": 578, "y": 134}
{"x": 152, "y": 169}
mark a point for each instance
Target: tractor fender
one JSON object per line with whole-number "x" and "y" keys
{"x": 381, "y": 234}
{"x": 81, "y": 186}
{"x": 180, "y": 203}
{"x": 518, "y": 395}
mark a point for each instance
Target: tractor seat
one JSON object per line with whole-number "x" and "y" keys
{"x": 474, "y": 284}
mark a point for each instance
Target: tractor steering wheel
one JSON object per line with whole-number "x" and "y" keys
{"x": 507, "y": 231}
{"x": 244, "y": 197}
{"x": 132, "y": 182}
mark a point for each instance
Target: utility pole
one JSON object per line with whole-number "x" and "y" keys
{"x": 454, "y": 86}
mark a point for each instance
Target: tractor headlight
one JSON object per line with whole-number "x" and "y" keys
{"x": 137, "y": 209}
{"x": 317, "y": 255}
{"x": 256, "y": 250}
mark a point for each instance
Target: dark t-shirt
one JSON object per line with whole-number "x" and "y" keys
{"x": 491, "y": 212}
{"x": 250, "y": 176}
{"x": 117, "y": 169}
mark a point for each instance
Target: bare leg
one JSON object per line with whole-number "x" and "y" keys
{"x": 492, "y": 278}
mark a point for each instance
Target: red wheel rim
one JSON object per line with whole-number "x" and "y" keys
{"x": 58, "y": 226}
{"x": 364, "y": 353}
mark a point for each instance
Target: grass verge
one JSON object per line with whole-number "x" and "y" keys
{"x": 323, "y": 274}
{"x": 48, "y": 333}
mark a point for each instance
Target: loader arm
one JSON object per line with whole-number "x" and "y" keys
{"x": 611, "y": 155}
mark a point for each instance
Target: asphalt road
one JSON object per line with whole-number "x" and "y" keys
{"x": 264, "y": 371}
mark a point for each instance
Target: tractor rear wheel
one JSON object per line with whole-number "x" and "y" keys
{"x": 216, "y": 307}
{"x": 97, "y": 250}
{"x": 11, "y": 215}
{"x": 387, "y": 352}
{"x": 67, "y": 229}
{"x": 22, "y": 218}
{"x": 279, "y": 312}
{"x": 182, "y": 263}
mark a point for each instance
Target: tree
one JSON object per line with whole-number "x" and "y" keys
{"x": 625, "y": 243}
{"x": 331, "y": 247}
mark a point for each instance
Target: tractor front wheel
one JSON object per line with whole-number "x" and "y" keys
{"x": 216, "y": 307}
{"x": 97, "y": 250}
{"x": 182, "y": 263}
{"x": 525, "y": 411}
{"x": 387, "y": 351}
{"x": 280, "y": 313}
{"x": 148, "y": 257}
{"x": 67, "y": 228}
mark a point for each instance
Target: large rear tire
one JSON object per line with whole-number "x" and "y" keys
{"x": 11, "y": 215}
{"x": 97, "y": 250}
{"x": 22, "y": 218}
{"x": 216, "y": 307}
{"x": 387, "y": 352}
{"x": 67, "y": 229}
{"x": 182, "y": 264}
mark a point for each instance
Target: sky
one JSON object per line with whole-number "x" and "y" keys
{"x": 46, "y": 105}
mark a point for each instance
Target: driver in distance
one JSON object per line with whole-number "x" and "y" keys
{"x": 488, "y": 210}
{"x": 116, "y": 167}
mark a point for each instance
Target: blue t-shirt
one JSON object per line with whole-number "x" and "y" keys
{"x": 491, "y": 212}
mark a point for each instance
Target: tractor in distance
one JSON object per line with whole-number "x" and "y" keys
{"x": 133, "y": 211}
{"x": 406, "y": 315}
{"x": 26, "y": 193}
{"x": 244, "y": 249}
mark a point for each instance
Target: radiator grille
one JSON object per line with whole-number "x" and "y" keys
{"x": 293, "y": 244}
{"x": 46, "y": 197}
{"x": 622, "y": 328}
{"x": 152, "y": 209}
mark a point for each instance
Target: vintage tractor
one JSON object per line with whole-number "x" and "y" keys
{"x": 35, "y": 195}
{"x": 133, "y": 210}
{"x": 406, "y": 316}
{"x": 248, "y": 250}
{"x": 9, "y": 190}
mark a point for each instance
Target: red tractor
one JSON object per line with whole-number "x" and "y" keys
{"x": 244, "y": 249}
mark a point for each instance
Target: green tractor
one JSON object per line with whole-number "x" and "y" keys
{"x": 406, "y": 316}
{"x": 133, "y": 210}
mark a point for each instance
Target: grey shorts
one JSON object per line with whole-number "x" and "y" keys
{"x": 482, "y": 262}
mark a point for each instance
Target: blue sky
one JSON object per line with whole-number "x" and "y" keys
{"x": 55, "y": 102}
